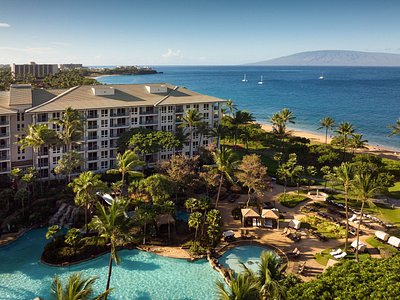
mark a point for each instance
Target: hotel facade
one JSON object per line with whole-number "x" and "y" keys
{"x": 108, "y": 111}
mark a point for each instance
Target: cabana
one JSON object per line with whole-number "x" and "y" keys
{"x": 250, "y": 218}
{"x": 270, "y": 218}
{"x": 295, "y": 224}
{"x": 361, "y": 246}
{"x": 394, "y": 241}
{"x": 165, "y": 219}
{"x": 382, "y": 235}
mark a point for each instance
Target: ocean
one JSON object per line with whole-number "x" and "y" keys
{"x": 369, "y": 98}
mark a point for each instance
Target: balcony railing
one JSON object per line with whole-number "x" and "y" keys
{"x": 91, "y": 148}
{"x": 95, "y": 137}
{"x": 2, "y": 123}
{"x": 148, "y": 122}
{"x": 4, "y": 169}
{"x": 4, "y": 146}
{"x": 120, "y": 125}
{"x": 3, "y": 134}
{"x": 93, "y": 158}
{"x": 148, "y": 112}
{"x": 122, "y": 114}
{"x": 4, "y": 157}
{"x": 93, "y": 126}
{"x": 92, "y": 116}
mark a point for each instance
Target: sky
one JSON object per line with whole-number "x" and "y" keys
{"x": 187, "y": 32}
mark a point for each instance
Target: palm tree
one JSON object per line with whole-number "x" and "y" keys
{"x": 240, "y": 118}
{"x": 230, "y": 106}
{"x": 112, "y": 225}
{"x": 344, "y": 174}
{"x": 345, "y": 129}
{"x": 71, "y": 124}
{"x": 126, "y": 164}
{"x": 203, "y": 129}
{"x": 239, "y": 288}
{"x": 327, "y": 123}
{"x": 195, "y": 221}
{"x": 226, "y": 163}
{"x": 357, "y": 142}
{"x": 395, "y": 128}
{"x": 279, "y": 121}
{"x": 364, "y": 188}
{"x": 76, "y": 288}
{"x": 85, "y": 187}
{"x": 191, "y": 119}
{"x": 144, "y": 214}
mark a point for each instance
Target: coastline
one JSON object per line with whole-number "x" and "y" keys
{"x": 320, "y": 138}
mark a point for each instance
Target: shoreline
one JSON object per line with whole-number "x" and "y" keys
{"x": 320, "y": 138}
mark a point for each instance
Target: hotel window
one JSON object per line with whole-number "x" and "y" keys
{"x": 195, "y": 135}
{"x": 20, "y": 117}
{"x": 104, "y": 113}
{"x": 104, "y": 123}
{"x": 163, "y": 109}
{"x": 92, "y": 166}
{"x": 164, "y": 128}
{"x": 169, "y": 119}
{"x": 42, "y": 118}
{"x": 170, "y": 109}
{"x": 92, "y": 156}
{"x": 104, "y": 164}
{"x": 170, "y": 127}
{"x": 92, "y": 135}
{"x": 92, "y": 114}
{"x": 55, "y": 159}
{"x": 205, "y": 143}
{"x": 104, "y": 144}
{"x": 134, "y": 110}
{"x": 206, "y": 106}
{"x": 205, "y": 116}
{"x": 196, "y": 106}
{"x": 187, "y": 106}
{"x": 163, "y": 119}
{"x": 56, "y": 115}
{"x": 104, "y": 133}
{"x": 195, "y": 144}
{"x": 57, "y": 149}
{"x": 56, "y": 127}
{"x": 104, "y": 154}
{"x": 134, "y": 121}
{"x": 20, "y": 151}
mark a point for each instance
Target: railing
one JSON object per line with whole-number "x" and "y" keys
{"x": 93, "y": 126}
{"x": 7, "y": 169}
{"x": 4, "y": 123}
{"x": 92, "y": 158}
{"x": 92, "y": 116}
{"x": 120, "y": 125}
{"x": 4, "y": 146}
{"x": 150, "y": 112}
{"x": 2, "y": 134}
{"x": 4, "y": 157}
{"x": 152, "y": 122}
{"x": 124, "y": 114}
{"x": 93, "y": 137}
{"x": 93, "y": 148}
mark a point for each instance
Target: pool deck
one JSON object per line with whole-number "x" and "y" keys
{"x": 309, "y": 245}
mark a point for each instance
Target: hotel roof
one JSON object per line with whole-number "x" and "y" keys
{"x": 125, "y": 95}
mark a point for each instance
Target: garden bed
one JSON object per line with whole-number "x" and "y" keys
{"x": 291, "y": 200}
{"x": 325, "y": 228}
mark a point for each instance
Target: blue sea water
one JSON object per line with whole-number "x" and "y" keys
{"x": 369, "y": 98}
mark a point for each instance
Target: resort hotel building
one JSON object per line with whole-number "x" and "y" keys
{"x": 107, "y": 111}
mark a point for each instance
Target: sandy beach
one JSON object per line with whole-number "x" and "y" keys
{"x": 315, "y": 137}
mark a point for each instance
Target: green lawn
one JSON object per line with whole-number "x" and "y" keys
{"x": 376, "y": 244}
{"x": 386, "y": 214}
{"x": 324, "y": 227}
{"x": 291, "y": 200}
{"x": 394, "y": 191}
{"x": 323, "y": 257}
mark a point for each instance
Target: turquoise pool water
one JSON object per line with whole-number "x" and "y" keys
{"x": 141, "y": 275}
{"x": 247, "y": 254}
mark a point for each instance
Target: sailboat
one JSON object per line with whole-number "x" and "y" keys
{"x": 261, "y": 80}
{"x": 322, "y": 76}
{"x": 244, "y": 78}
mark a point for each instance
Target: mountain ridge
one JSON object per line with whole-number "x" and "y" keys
{"x": 335, "y": 58}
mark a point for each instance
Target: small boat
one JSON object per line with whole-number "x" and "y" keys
{"x": 244, "y": 78}
{"x": 322, "y": 76}
{"x": 261, "y": 80}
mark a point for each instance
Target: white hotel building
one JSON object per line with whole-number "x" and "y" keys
{"x": 108, "y": 110}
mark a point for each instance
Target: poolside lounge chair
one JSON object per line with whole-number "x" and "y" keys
{"x": 336, "y": 252}
{"x": 341, "y": 255}
{"x": 353, "y": 218}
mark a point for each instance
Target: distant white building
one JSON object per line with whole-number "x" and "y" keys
{"x": 70, "y": 66}
{"x": 38, "y": 70}
{"x": 108, "y": 110}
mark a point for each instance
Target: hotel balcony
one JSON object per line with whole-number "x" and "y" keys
{"x": 120, "y": 114}
{"x": 4, "y": 157}
{"x": 92, "y": 158}
{"x": 94, "y": 126}
{"x": 149, "y": 111}
{"x": 4, "y": 146}
{"x": 92, "y": 137}
{"x": 92, "y": 148}
{"x": 4, "y": 134}
{"x": 115, "y": 125}
{"x": 4, "y": 169}
{"x": 4, "y": 122}
{"x": 95, "y": 116}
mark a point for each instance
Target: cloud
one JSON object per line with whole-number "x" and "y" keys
{"x": 4, "y": 25}
{"x": 172, "y": 53}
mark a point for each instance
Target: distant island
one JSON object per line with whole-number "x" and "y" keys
{"x": 123, "y": 70}
{"x": 335, "y": 58}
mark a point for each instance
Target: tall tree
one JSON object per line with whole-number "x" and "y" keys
{"x": 76, "y": 288}
{"x": 279, "y": 122}
{"x": 194, "y": 221}
{"x": 85, "y": 187}
{"x": 191, "y": 119}
{"x": 289, "y": 170}
{"x": 253, "y": 174}
{"x": 113, "y": 226}
{"x": 203, "y": 129}
{"x": 126, "y": 164}
{"x": 240, "y": 287}
{"x": 159, "y": 187}
{"x": 240, "y": 118}
{"x": 144, "y": 214}
{"x": 364, "y": 188}
{"x": 68, "y": 163}
{"x": 344, "y": 174}
{"x": 226, "y": 162}
{"x": 327, "y": 123}
{"x": 230, "y": 106}
{"x": 214, "y": 226}
{"x": 357, "y": 142}
{"x": 71, "y": 125}
{"x": 345, "y": 130}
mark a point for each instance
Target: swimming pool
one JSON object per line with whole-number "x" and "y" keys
{"x": 247, "y": 254}
{"x": 140, "y": 275}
